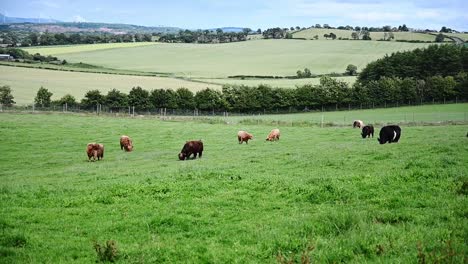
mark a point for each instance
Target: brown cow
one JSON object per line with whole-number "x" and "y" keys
{"x": 191, "y": 147}
{"x": 95, "y": 151}
{"x": 126, "y": 143}
{"x": 243, "y": 136}
{"x": 274, "y": 135}
{"x": 358, "y": 124}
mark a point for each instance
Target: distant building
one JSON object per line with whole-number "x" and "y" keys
{"x": 5, "y": 57}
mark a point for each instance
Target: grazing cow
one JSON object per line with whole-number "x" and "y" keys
{"x": 191, "y": 147}
{"x": 95, "y": 151}
{"x": 126, "y": 143}
{"x": 389, "y": 134}
{"x": 367, "y": 131}
{"x": 274, "y": 135}
{"x": 358, "y": 124}
{"x": 243, "y": 136}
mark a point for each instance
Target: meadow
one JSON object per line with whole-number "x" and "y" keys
{"x": 311, "y": 32}
{"x": 25, "y": 82}
{"x": 323, "y": 194}
{"x": 259, "y": 57}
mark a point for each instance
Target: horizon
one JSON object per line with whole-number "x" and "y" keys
{"x": 249, "y": 14}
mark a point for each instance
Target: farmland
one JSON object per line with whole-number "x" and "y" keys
{"x": 322, "y": 193}
{"x": 258, "y": 57}
{"x": 26, "y": 81}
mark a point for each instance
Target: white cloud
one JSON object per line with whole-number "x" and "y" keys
{"x": 78, "y": 18}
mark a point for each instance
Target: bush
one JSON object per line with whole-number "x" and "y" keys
{"x": 107, "y": 252}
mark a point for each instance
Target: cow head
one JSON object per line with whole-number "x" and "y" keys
{"x": 129, "y": 147}
{"x": 363, "y": 135}
{"x": 182, "y": 156}
{"x": 381, "y": 141}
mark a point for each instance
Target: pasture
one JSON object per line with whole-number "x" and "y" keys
{"x": 261, "y": 57}
{"x": 311, "y": 32}
{"x": 319, "y": 193}
{"x": 25, "y": 82}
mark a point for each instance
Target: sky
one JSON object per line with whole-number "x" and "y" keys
{"x": 203, "y": 14}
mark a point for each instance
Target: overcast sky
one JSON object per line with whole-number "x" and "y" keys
{"x": 255, "y": 14}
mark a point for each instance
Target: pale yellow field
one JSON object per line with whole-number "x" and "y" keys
{"x": 57, "y": 50}
{"x": 282, "y": 83}
{"x": 25, "y": 82}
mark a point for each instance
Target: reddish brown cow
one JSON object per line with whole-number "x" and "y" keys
{"x": 243, "y": 136}
{"x": 274, "y": 135}
{"x": 126, "y": 143}
{"x": 191, "y": 147}
{"x": 95, "y": 151}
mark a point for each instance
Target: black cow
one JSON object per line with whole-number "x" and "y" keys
{"x": 367, "y": 131}
{"x": 389, "y": 134}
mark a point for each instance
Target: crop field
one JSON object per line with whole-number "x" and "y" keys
{"x": 323, "y": 194}
{"x": 283, "y": 83}
{"x": 310, "y": 33}
{"x": 261, "y": 57}
{"x": 62, "y": 49}
{"x": 25, "y": 82}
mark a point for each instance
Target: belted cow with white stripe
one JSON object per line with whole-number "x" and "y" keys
{"x": 390, "y": 134}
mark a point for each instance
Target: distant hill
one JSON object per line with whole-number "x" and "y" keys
{"x": 13, "y": 20}
{"x": 228, "y": 29}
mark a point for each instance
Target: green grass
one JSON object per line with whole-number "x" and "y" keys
{"x": 261, "y": 57}
{"x": 58, "y": 50}
{"x": 25, "y": 82}
{"x": 310, "y": 33}
{"x": 353, "y": 200}
{"x": 411, "y": 114}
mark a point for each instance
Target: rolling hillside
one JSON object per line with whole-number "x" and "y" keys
{"x": 311, "y": 32}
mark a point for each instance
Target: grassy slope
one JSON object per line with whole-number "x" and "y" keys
{"x": 25, "y": 82}
{"x": 310, "y": 33}
{"x": 58, "y": 50}
{"x": 261, "y": 57}
{"x": 284, "y": 83}
{"x": 354, "y": 200}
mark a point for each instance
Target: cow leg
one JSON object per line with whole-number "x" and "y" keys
{"x": 200, "y": 154}
{"x": 121, "y": 146}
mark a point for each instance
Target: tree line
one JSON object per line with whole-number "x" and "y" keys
{"x": 45, "y": 39}
{"x": 205, "y": 36}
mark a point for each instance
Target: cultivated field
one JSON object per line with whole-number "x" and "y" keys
{"x": 283, "y": 83}
{"x": 25, "y": 82}
{"x": 310, "y": 33}
{"x": 58, "y": 50}
{"x": 319, "y": 193}
{"x": 262, "y": 57}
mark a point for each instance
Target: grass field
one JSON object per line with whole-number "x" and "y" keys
{"x": 310, "y": 33}
{"x": 410, "y": 114}
{"x": 319, "y": 193}
{"x": 262, "y": 57}
{"x": 58, "y": 50}
{"x": 25, "y": 82}
{"x": 284, "y": 83}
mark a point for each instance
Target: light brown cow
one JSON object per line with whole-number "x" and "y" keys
{"x": 358, "y": 124}
{"x": 243, "y": 136}
{"x": 274, "y": 135}
{"x": 95, "y": 151}
{"x": 126, "y": 143}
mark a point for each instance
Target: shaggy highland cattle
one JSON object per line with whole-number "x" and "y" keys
{"x": 95, "y": 151}
{"x": 191, "y": 147}
{"x": 358, "y": 124}
{"x": 243, "y": 136}
{"x": 126, "y": 143}
{"x": 274, "y": 135}
{"x": 390, "y": 134}
{"x": 367, "y": 131}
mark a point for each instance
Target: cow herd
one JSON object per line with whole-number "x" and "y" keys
{"x": 390, "y": 134}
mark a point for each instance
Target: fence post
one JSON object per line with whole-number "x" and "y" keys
{"x": 321, "y": 123}
{"x": 133, "y": 114}
{"x": 33, "y": 108}
{"x": 1, "y": 107}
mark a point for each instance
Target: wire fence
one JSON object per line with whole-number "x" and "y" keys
{"x": 432, "y": 113}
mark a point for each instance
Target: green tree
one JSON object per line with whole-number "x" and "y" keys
{"x": 351, "y": 69}
{"x": 208, "y": 99}
{"x": 139, "y": 98}
{"x": 68, "y": 99}
{"x": 355, "y": 35}
{"x": 43, "y": 97}
{"x": 92, "y": 99}
{"x": 116, "y": 99}
{"x": 6, "y": 98}
{"x": 185, "y": 99}
{"x": 440, "y": 38}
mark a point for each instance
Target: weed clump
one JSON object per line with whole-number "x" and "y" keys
{"x": 107, "y": 252}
